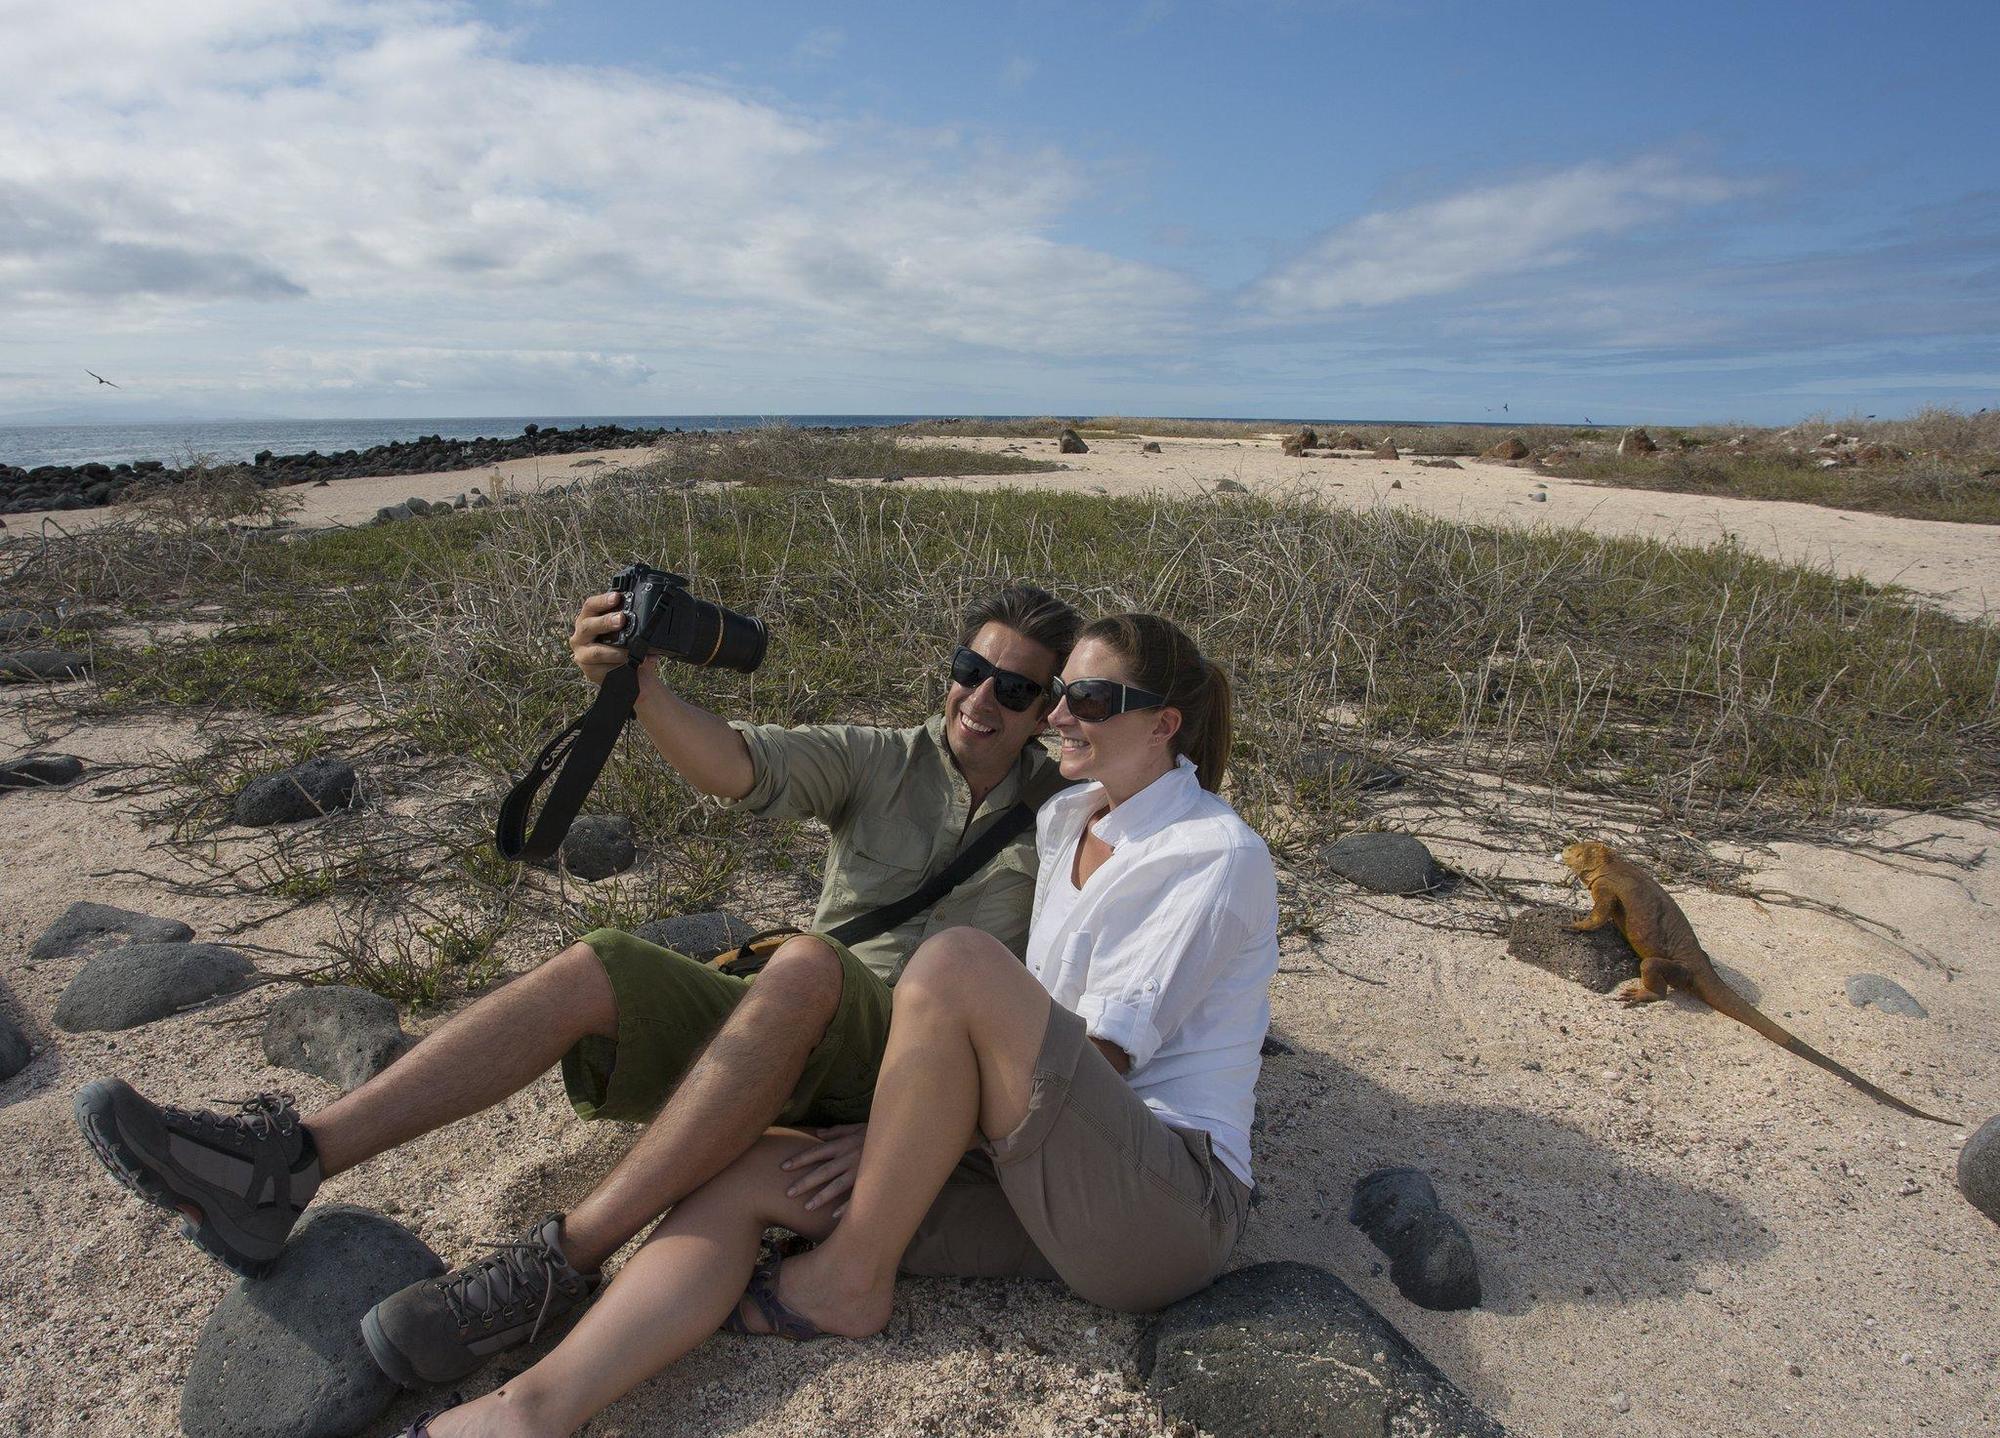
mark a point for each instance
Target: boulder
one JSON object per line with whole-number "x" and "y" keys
{"x": 304, "y": 791}
{"x": 24, "y": 624}
{"x": 1309, "y": 438}
{"x": 1438, "y": 463}
{"x": 1348, "y": 439}
{"x": 40, "y": 771}
{"x": 1286, "y": 1350}
{"x": 598, "y": 846}
{"x": 1600, "y": 960}
{"x": 1345, "y": 768}
{"x": 1864, "y": 990}
{"x": 50, "y": 664}
{"x": 1431, "y": 1261}
{"x": 390, "y": 513}
{"x": 15, "y": 1050}
{"x": 1231, "y": 486}
{"x": 1387, "y": 450}
{"x": 1979, "y": 1169}
{"x": 282, "y": 1355}
{"x": 1151, "y": 446}
{"x": 1538, "y": 497}
{"x": 123, "y": 988}
{"x": 1508, "y": 448}
{"x": 1636, "y": 441}
{"x": 1386, "y": 863}
{"x": 87, "y": 928}
{"x": 343, "y": 1035}
{"x": 1292, "y": 445}
{"x": 699, "y": 936}
{"x": 1072, "y": 443}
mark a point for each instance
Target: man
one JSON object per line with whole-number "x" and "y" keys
{"x": 646, "y": 1034}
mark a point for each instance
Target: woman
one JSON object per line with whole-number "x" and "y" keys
{"x": 1084, "y": 1117}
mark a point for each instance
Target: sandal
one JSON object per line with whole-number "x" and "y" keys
{"x": 422, "y": 1427}
{"x": 763, "y": 1292}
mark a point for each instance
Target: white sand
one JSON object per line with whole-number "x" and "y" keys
{"x": 1666, "y": 1206}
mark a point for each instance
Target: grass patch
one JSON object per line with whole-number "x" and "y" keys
{"x": 783, "y": 455}
{"x": 1913, "y": 489}
{"x": 1717, "y": 692}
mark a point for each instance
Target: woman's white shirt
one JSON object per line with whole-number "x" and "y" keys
{"x": 1168, "y": 949}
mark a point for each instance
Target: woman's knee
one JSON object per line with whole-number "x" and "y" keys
{"x": 956, "y": 965}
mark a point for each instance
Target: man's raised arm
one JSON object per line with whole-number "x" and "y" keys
{"x": 700, "y": 746}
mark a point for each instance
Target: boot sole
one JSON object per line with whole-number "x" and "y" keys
{"x": 98, "y": 1123}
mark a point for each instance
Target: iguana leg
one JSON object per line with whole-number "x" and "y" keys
{"x": 1649, "y": 988}
{"x": 1602, "y": 912}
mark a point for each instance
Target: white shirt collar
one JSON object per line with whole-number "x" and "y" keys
{"x": 1148, "y": 811}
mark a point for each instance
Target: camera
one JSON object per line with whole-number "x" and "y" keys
{"x": 662, "y": 617}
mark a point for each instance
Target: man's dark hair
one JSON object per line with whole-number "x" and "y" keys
{"x": 1031, "y": 613}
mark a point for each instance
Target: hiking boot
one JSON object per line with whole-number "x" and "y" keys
{"x": 239, "y": 1181}
{"x": 440, "y": 1329}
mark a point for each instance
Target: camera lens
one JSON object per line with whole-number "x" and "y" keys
{"x": 739, "y": 645}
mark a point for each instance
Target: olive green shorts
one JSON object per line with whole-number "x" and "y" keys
{"x": 670, "y": 1005}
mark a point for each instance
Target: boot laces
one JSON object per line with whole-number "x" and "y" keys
{"x": 263, "y": 1115}
{"x": 502, "y": 1277}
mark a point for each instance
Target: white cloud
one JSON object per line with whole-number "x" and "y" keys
{"x": 1481, "y": 235}
{"x": 380, "y": 177}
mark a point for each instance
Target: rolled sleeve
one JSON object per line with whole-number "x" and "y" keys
{"x": 1130, "y": 1026}
{"x": 803, "y": 773}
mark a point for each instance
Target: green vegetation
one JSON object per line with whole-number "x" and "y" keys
{"x": 1719, "y": 692}
{"x": 1910, "y": 489}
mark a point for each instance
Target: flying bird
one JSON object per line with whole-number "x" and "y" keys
{"x": 101, "y": 379}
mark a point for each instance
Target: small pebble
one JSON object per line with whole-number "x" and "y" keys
{"x": 1794, "y": 1370}
{"x": 1620, "y": 1403}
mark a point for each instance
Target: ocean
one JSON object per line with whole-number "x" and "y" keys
{"x": 26, "y": 446}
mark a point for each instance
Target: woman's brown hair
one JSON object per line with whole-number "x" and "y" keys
{"x": 1159, "y": 656}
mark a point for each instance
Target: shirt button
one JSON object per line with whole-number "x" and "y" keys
{"x": 1152, "y": 986}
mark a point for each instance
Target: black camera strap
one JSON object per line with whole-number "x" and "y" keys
{"x": 754, "y": 952}
{"x": 580, "y": 751}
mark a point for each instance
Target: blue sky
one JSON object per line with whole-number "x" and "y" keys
{"x": 1365, "y": 210}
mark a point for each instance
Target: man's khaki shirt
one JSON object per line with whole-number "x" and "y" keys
{"x": 900, "y": 811}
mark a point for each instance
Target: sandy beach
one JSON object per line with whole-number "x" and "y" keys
{"x": 1682, "y": 1230}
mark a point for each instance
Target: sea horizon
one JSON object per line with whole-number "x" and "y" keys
{"x": 174, "y": 442}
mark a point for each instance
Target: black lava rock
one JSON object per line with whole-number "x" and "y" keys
{"x": 1347, "y": 768}
{"x": 343, "y": 1035}
{"x": 1286, "y": 1350}
{"x": 87, "y": 928}
{"x": 282, "y": 1355}
{"x": 598, "y": 846}
{"x": 1600, "y": 960}
{"x": 1431, "y": 1261}
{"x": 699, "y": 936}
{"x": 23, "y": 624}
{"x": 1386, "y": 863}
{"x": 134, "y": 985}
{"x": 1864, "y": 990}
{"x": 1072, "y": 443}
{"x": 50, "y": 664}
{"x": 390, "y": 513}
{"x": 15, "y": 1050}
{"x": 1979, "y": 1169}
{"x": 304, "y": 791}
{"x": 40, "y": 771}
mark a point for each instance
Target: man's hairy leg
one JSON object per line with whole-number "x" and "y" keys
{"x": 497, "y": 1047}
{"x": 731, "y": 1093}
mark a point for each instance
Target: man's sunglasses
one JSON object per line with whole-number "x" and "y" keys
{"x": 1014, "y": 691}
{"x": 1095, "y": 700}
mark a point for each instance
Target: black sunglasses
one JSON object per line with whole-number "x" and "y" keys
{"x": 1014, "y": 691}
{"x": 1095, "y": 700}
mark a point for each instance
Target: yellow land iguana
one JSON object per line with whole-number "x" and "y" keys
{"x": 1670, "y": 956}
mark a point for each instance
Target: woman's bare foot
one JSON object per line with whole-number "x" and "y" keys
{"x": 832, "y": 1300}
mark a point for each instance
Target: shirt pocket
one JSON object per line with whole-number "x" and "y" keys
{"x": 883, "y": 861}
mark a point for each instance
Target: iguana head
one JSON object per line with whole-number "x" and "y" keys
{"x": 1585, "y": 857}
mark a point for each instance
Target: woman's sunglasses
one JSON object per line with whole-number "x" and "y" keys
{"x": 1014, "y": 691}
{"x": 1095, "y": 700}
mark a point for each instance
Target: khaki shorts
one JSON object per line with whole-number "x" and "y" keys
{"x": 669, "y": 1007}
{"x": 1092, "y": 1189}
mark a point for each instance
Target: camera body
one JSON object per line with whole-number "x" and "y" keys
{"x": 662, "y": 617}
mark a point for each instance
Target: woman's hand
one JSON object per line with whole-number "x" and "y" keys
{"x": 600, "y": 617}
{"x": 828, "y": 1166}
